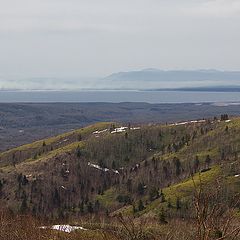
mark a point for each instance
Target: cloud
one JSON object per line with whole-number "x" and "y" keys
{"x": 96, "y": 38}
{"x": 53, "y": 15}
{"x": 105, "y": 15}
{"x": 78, "y": 16}
{"x": 213, "y": 8}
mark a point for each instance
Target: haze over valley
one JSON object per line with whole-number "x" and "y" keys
{"x": 145, "y": 79}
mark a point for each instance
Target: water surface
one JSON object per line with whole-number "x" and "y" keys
{"x": 119, "y": 96}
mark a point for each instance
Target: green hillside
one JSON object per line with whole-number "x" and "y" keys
{"x": 147, "y": 172}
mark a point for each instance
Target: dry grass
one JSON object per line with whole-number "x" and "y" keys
{"x": 27, "y": 228}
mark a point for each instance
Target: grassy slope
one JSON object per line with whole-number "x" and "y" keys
{"x": 201, "y": 147}
{"x": 182, "y": 190}
{"x": 210, "y": 143}
{"x": 63, "y": 147}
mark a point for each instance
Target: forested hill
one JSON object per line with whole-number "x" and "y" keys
{"x": 110, "y": 168}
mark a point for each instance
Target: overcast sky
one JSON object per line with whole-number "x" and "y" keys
{"x": 76, "y": 38}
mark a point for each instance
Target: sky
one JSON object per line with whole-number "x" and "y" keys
{"x": 76, "y": 39}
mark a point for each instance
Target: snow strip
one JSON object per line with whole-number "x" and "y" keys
{"x": 102, "y": 131}
{"x": 64, "y": 228}
{"x": 135, "y": 128}
{"x": 119, "y": 130}
{"x": 116, "y": 130}
{"x": 101, "y": 169}
{"x": 98, "y": 167}
{"x": 185, "y": 123}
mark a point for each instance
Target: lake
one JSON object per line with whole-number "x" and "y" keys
{"x": 118, "y": 96}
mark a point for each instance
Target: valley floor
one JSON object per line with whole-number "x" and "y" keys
{"x": 22, "y": 123}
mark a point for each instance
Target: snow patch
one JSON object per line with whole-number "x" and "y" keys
{"x": 116, "y": 130}
{"x": 65, "y": 228}
{"x": 179, "y": 124}
{"x": 119, "y": 130}
{"x": 237, "y": 175}
{"x": 101, "y": 131}
{"x": 98, "y": 167}
{"x": 135, "y": 128}
{"x": 227, "y": 121}
{"x": 189, "y": 122}
{"x": 102, "y": 169}
{"x": 123, "y": 129}
{"x": 116, "y": 171}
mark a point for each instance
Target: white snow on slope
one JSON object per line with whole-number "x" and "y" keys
{"x": 98, "y": 167}
{"x": 189, "y": 122}
{"x": 99, "y": 132}
{"x": 116, "y": 171}
{"x": 179, "y": 124}
{"x": 123, "y": 129}
{"x": 64, "y": 228}
{"x": 119, "y": 130}
{"x": 116, "y": 130}
{"x": 67, "y": 228}
{"x": 135, "y": 128}
{"x": 101, "y": 169}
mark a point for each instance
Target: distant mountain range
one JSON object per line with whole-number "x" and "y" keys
{"x": 146, "y": 79}
{"x": 201, "y": 89}
{"x": 162, "y": 79}
{"x": 176, "y": 75}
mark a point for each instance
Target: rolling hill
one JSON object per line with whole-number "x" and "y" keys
{"x": 109, "y": 168}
